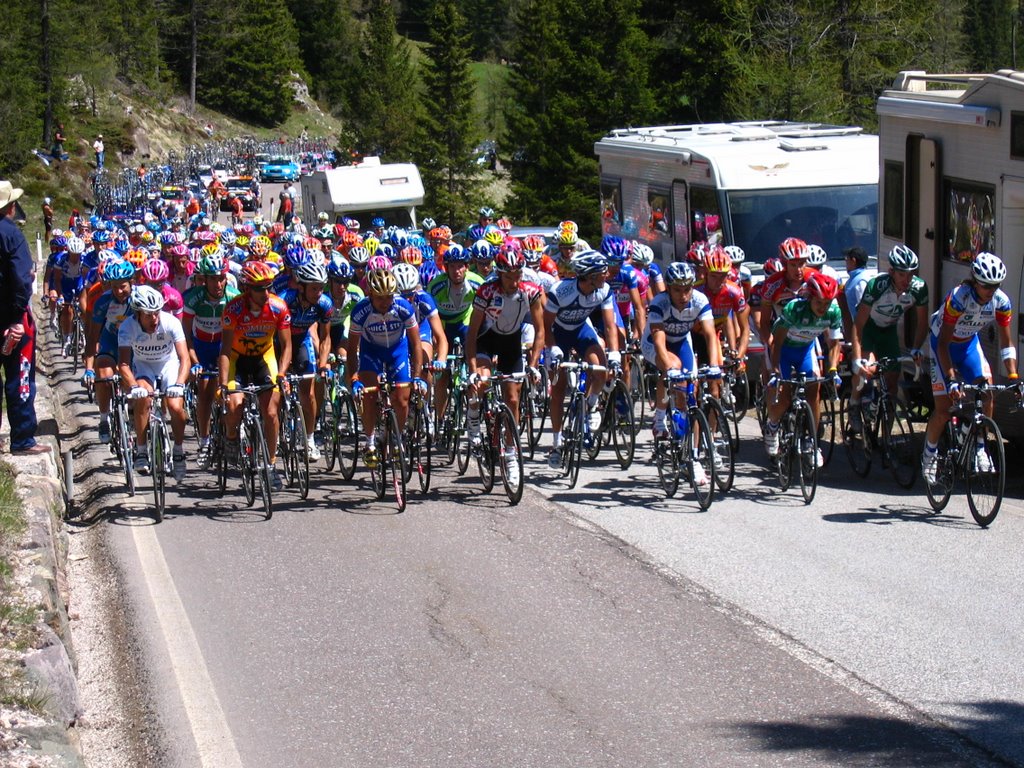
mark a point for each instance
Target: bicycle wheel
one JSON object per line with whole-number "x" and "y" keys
{"x": 666, "y": 459}
{"x": 300, "y": 454}
{"x": 378, "y": 473}
{"x": 760, "y": 405}
{"x": 394, "y": 460}
{"x": 76, "y": 341}
{"x": 190, "y": 408}
{"x": 485, "y": 454}
{"x": 284, "y": 441}
{"x": 621, "y": 421}
{"x": 903, "y": 458}
{"x": 508, "y": 453}
{"x": 986, "y": 481}
{"x": 740, "y": 398}
{"x": 805, "y": 445}
{"x": 157, "y": 447}
{"x": 828, "y": 424}
{"x": 572, "y": 438}
{"x": 541, "y": 408}
{"x": 728, "y": 402}
{"x": 328, "y": 430}
{"x": 699, "y": 452}
{"x": 594, "y": 438}
{"x": 721, "y": 441}
{"x": 857, "y": 442}
{"x": 635, "y": 386}
{"x": 247, "y": 459}
{"x": 420, "y": 448}
{"x": 784, "y": 459}
{"x": 126, "y": 443}
{"x": 263, "y": 467}
{"x": 945, "y": 473}
{"x": 346, "y": 434}
{"x": 460, "y": 433}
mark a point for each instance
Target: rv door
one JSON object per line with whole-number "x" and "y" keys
{"x": 922, "y": 207}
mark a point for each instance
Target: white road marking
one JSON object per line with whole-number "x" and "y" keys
{"x": 214, "y": 743}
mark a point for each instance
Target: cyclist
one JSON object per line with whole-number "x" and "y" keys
{"x": 793, "y": 350}
{"x": 642, "y": 256}
{"x": 740, "y": 273}
{"x": 482, "y": 253}
{"x": 956, "y": 349}
{"x": 728, "y": 306}
{"x": 427, "y": 316}
{"x": 886, "y": 298}
{"x": 817, "y": 260}
{"x": 109, "y": 311}
{"x": 155, "y": 274}
{"x": 384, "y": 338}
{"x": 69, "y": 275}
{"x": 622, "y": 279}
{"x": 251, "y": 324}
{"x": 204, "y": 310}
{"x": 566, "y": 311}
{"x": 151, "y": 346}
{"x": 666, "y": 341}
{"x": 344, "y": 295}
{"x": 311, "y": 310}
{"x": 785, "y": 285}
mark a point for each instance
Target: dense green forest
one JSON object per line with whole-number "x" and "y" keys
{"x": 397, "y": 74}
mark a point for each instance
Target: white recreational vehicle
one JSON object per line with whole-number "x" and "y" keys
{"x": 750, "y": 184}
{"x": 364, "y": 191}
{"x": 952, "y": 185}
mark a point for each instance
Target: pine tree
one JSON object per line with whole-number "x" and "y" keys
{"x": 988, "y": 28}
{"x": 21, "y": 97}
{"x": 329, "y": 44}
{"x": 450, "y": 175}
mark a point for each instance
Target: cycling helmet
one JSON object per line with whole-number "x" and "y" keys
{"x": 98, "y": 238}
{"x": 242, "y": 241}
{"x": 156, "y": 271}
{"x": 146, "y": 299}
{"x": 312, "y": 244}
{"x": 339, "y": 269}
{"x": 230, "y": 237}
{"x": 816, "y": 256}
{"x": 474, "y": 233}
{"x": 822, "y": 286}
{"x": 680, "y": 273}
{"x": 566, "y": 237}
{"x": 698, "y": 252}
{"x": 456, "y": 254}
{"x": 643, "y": 254}
{"x": 359, "y": 256}
{"x": 381, "y": 282}
{"x": 428, "y": 253}
{"x": 493, "y": 235}
{"x": 903, "y": 259}
{"x": 504, "y": 224}
{"x": 615, "y": 248}
{"x": 510, "y": 257}
{"x": 212, "y": 264}
{"x": 211, "y": 250}
{"x": 400, "y": 238}
{"x": 378, "y": 222}
{"x": 58, "y": 243}
{"x": 136, "y": 257}
{"x": 76, "y": 245}
{"x": 988, "y": 269}
{"x": 296, "y": 256}
{"x": 486, "y": 213}
{"x": 717, "y": 260}
{"x": 792, "y": 248}
{"x": 570, "y": 226}
{"x": 313, "y": 273}
{"x": 589, "y": 263}
{"x": 386, "y": 250}
{"x": 379, "y": 261}
{"x": 772, "y": 265}
{"x": 257, "y": 273}
{"x": 352, "y": 225}
{"x": 178, "y": 250}
{"x": 118, "y": 271}
{"x": 736, "y": 254}
{"x": 480, "y": 251}
{"x": 407, "y": 277}
{"x": 323, "y": 216}
{"x": 350, "y": 239}
{"x": 411, "y": 255}
{"x": 168, "y": 238}
{"x": 371, "y": 244}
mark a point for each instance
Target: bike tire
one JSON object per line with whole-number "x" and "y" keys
{"x": 572, "y": 439}
{"x": 394, "y": 460}
{"x": 420, "y": 455}
{"x": 828, "y": 425}
{"x": 284, "y": 441}
{"x": 527, "y": 407}
{"x": 346, "y": 435}
{"x": 485, "y": 454}
{"x": 542, "y": 408}
{"x": 300, "y": 454}
{"x": 698, "y": 451}
{"x": 721, "y": 442}
{"x": 985, "y": 489}
{"x": 460, "y": 433}
{"x": 262, "y": 469}
{"x": 507, "y": 447}
{"x": 666, "y": 459}
{"x": 158, "y": 467}
{"x": 740, "y": 399}
{"x": 247, "y": 458}
{"x": 945, "y": 472}
{"x": 328, "y": 431}
{"x": 126, "y": 441}
{"x": 904, "y": 458}
{"x": 805, "y": 443}
{"x": 622, "y": 424}
{"x": 784, "y": 460}
{"x": 635, "y": 387}
{"x": 76, "y": 342}
{"x": 857, "y": 443}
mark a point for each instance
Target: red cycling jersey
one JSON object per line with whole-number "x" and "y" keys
{"x": 729, "y": 299}
{"x": 777, "y": 291}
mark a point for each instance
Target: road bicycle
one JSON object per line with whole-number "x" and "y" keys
{"x": 499, "y": 439}
{"x": 253, "y": 455}
{"x": 158, "y": 447}
{"x": 734, "y": 395}
{"x": 576, "y": 431}
{"x": 617, "y": 426}
{"x": 641, "y": 381}
{"x": 388, "y": 439}
{"x": 686, "y": 443}
{"x": 885, "y": 429}
{"x": 418, "y": 441}
{"x": 122, "y": 430}
{"x": 971, "y": 448}
{"x": 720, "y": 428}
{"x": 798, "y": 438}
{"x": 451, "y": 430}
{"x": 534, "y": 406}
{"x": 293, "y": 443}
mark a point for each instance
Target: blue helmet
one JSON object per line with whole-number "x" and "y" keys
{"x": 117, "y": 271}
{"x": 385, "y": 249}
{"x": 296, "y": 256}
{"x": 481, "y": 251}
{"x": 377, "y": 222}
{"x": 589, "y": 263}
{"x": 456, "y": 254}
{"x": 615, "y": 248}
{"x": 339, "y": 269}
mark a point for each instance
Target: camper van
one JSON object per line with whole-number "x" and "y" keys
{"x": 364, "y": 191}
{"x": 751, "y": 184}
{"x": 952, "y": 185}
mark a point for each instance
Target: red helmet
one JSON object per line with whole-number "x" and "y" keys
{"x": 772, "y": 265}
{"x": 257, "y": 273}
{"x": 510, "y": 256}
{"x": 822, "y": 286}
{"x": 717, "y": 260}
{"x": 792, "y": 248}
{"x": 411, "y": 255}
{"x": 698, "y": 250}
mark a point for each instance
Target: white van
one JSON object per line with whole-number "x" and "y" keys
{"x": 751, "y": 184}
{"x": 952, "y": 185}
{"x": 364, "y": 191}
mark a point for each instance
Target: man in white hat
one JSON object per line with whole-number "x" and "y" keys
{"x": 18, "y": 329}
{"x": 98, "y": 148}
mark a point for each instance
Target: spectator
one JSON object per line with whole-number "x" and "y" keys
{"x": 58, "y": 144}
{"x": 18, "y": 348}
{"x": 98, "y": 148}
{"x": 47, "y": 216}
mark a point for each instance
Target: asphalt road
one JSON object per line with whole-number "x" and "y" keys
{"x": 602, "y": 626}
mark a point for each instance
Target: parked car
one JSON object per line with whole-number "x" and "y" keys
{"x": 239, "y": 187}
{"x": 280, "y": 168}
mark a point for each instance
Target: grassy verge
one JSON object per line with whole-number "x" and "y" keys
{"x": 16, "y": 618}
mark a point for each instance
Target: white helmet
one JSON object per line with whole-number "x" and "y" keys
{"x": 988, "y": 269}
{"x": 146, "y": 299}
{"x": 407, "y": 276}
{"x": 816, "y": 256}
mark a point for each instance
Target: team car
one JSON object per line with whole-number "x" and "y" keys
{"x": 280, "y": 168}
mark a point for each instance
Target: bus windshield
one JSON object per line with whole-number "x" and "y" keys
{"x": 835, "y": 218}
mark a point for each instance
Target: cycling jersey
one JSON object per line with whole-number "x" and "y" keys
{"x": 545, "y": 280}
{"x": 741, "y": 274}
{"x": 887, "y": 306}
{"x": 676, "y": 323}
{"x": 425, "y": 308}
{"x": 384, "y": 330}
{"x": 109, "y": 314}
{"x": 503, "y": 313}
{"x": 728, "y": 300}
{"x": 181, "y": 280}
{"x": 804, "y": 326}
{"x": 305, "y": 317}
{"x": 173, "y": 302}
{"x": 342, "y": 313}
{"x": 454, "y": 303}
{"x": 622, "y": 285}
{"x": 206, "y": 313}
{"x": 71, "y": 276}
{"x": 571, "y": 308}
{"x": 777, "y": 291}
{"x": 254, "y": 334}
{"x": 154, "y": 348}
{"x": 967, "y": 315}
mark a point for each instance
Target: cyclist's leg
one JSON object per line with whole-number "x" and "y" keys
{"x": 207, "y": 354}
{"x": 400, "y": 372}
{"x": 303, "y": 362}
{"x": 974, "y": 368}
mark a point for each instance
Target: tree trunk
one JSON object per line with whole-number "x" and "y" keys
{"x": 47, "y": 72}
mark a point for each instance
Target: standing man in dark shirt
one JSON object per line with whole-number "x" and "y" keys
{"x": 18, "y": 345}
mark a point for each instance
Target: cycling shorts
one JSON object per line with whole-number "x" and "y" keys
{"x": 304, "y": 356}
{"x": 207, "y": 353}
{"x": 968, "y": 359}
{"x": 394, "y": 362}
{"x": 882, "y": 342}
{"x": 681, "y": 349}
{"x": 581, "y": 339}
{"x": 507, "y": 347}
{"x": 802, "y": 359}
{"x": 455, "y": 331}
{"x": 150, "y": 372}
{"x": 339, "y": 335}
{"x": 252, "y": 370}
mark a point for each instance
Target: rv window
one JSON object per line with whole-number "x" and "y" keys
{"x": 892, "y": 210}
{"x": 969, "y": 219}
{"x": 706, "y": 219}
{"x": 659, "y": 216}
{"x": 1017, "y": 135}
{"x": 611, "y": 196}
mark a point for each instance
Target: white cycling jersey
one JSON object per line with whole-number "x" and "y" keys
{"x": 151, "y": 348}
{"x": 572, "y": 308}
